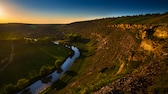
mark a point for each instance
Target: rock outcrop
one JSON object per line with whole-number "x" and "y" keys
{"x": 140, "y": 79}
{"x": 135, "y": 83}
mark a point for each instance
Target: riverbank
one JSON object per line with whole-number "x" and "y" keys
{"x": 39, "y": 86}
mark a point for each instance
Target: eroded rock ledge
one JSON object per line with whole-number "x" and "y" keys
{"x": 153, "y": 41}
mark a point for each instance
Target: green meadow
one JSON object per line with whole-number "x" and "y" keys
{"x": 28, "y": 60}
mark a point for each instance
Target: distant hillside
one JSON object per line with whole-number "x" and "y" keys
{"x": 19, "y": 31}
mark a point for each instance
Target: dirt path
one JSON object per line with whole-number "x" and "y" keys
{"x": 10, "y": 58}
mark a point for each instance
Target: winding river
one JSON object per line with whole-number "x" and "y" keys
{"x": 38, "y": 86}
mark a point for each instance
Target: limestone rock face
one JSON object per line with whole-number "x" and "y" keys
{"x": 161, "y": 32}
{"x": 147, "y": 45}
{"x": 135, "y": 83}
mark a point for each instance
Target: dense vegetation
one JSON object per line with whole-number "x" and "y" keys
{"x": 118, "y": 55}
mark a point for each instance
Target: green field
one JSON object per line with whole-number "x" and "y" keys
{"x": 28, "y": 59}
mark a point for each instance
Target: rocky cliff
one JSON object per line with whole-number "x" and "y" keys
{"x": 129, "y": 56}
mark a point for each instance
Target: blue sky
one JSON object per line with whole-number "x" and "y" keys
{"x": 66, "y": 11}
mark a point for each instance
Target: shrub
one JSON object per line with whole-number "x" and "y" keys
{"x": 22, "y": 83}
{"x": 45, "y": 70}
{"x": 10, "y": 88}
{"x": 58, "y": 63}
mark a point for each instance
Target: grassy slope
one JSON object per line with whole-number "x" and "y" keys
{"x": 107, "y": 57}
{"x": 5, "y": 50}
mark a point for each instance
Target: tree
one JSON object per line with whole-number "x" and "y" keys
{"x": 46, "y": 79}
{"x": 59, "y": 70}
{"x": 58, "y": 63}
{"x": 45, "y": 70}
{"x": 22, "y": 83}
{"x": 10, "y": 89}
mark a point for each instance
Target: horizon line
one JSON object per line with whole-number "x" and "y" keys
{"x": 141, "y": 14}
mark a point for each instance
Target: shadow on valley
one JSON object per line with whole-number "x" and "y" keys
{"x": 46, "y": 79}
{"x": 60, "y": 84}
{"x": 63, "y": 82}
{"x": 71, "y": 73}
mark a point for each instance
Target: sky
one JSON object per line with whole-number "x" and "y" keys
{"x": 67, "y": 11}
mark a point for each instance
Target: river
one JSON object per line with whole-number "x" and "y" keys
{"x": 38, "y": 86}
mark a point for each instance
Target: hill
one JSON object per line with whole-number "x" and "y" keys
{"x": 19, "y": 31}
{"x": 118, "y": 55}
{"x": 125, "y": 55}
